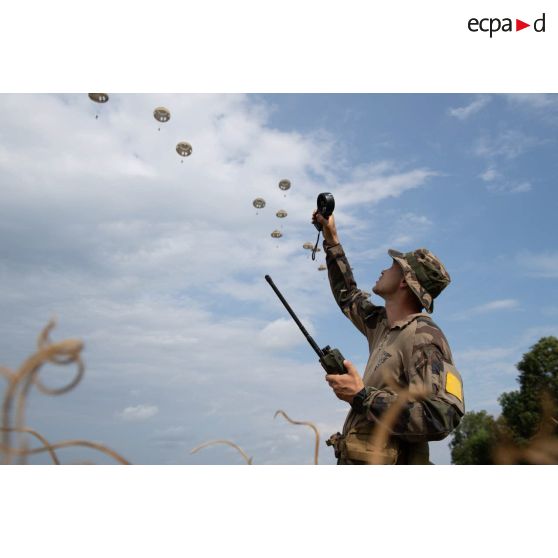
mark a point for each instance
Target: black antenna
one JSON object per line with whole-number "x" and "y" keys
{"x": 319, "y": 352}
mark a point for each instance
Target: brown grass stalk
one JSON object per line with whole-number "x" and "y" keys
{"x": 228, "y": 442}
{"x": 384, "y": 426}
{"x": 42, "y": 439}
{"x": 17, "y": 390}
{"x": 305, "y": 423}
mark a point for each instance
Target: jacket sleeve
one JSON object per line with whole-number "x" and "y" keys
{"x": 353, "y": 302}
{"x": 431, "y": 417}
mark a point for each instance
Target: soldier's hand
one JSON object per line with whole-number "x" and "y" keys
{"x": 346, "y": 386}
{"x": 328, "y": 227}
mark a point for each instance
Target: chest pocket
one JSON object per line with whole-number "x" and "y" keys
{"x": 384, "y": 368}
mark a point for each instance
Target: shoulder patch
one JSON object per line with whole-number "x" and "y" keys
{"x": 453, "y": 385}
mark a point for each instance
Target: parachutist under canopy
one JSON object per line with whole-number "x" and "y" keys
{"x": 184, "y": 149}
{"x": 98, "y": 98}
{"x": 161, "y": 114}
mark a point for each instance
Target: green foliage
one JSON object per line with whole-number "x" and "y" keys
{"x": 522, "y": 413}
{"x": 474, "y": 439}
{"x": 538, "y": 373}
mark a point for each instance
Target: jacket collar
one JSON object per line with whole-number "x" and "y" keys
{"x": 406, "y": 321}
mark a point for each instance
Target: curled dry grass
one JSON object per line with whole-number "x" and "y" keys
{"x": 305, "y": 423}
{"x": 227, "y": 442}
{"x": 542, "y": 449}
{"x": 19, "y": 384}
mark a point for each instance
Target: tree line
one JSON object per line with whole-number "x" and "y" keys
{"x": 529, "y": 417}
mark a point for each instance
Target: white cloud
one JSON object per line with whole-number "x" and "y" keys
{"x": 493, "y": 306}
{"x": 413, "y": 220}
{"x": 371, "y": 184}
{"x": 490, "y": 354}
{"x": 138, "y": 412}
{"x": 510, "y": 187}
{"x": 490, "y": 174}
{"x": 533, "y": 334}
{"x": 496, "y": 305}
{"x": 522, "y": 187}
{"x": 509, "y": 145}
{"x": 496, "y": 182}
{"x": 538, "y": 101}
{"x": 283, "y": 333}
{"x": 462, "y": 113}
{"x": 543, "y": 265}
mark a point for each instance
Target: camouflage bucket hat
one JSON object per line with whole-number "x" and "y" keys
{"x": 424, "y": 273}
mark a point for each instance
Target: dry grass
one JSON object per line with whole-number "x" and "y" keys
{"x": 542, "y": 449}
{"x": 384, "y": 426}
{"x": 19, "y": 384}
{"x": 227, "y": 442}
{"x": 305, "y": 423}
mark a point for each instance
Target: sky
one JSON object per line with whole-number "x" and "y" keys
{"x": 158, "y": 263}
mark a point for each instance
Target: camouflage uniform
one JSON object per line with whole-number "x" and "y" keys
{"x": 412, "y": 353}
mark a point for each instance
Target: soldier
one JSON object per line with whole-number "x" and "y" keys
{"x": 409, "y": 357}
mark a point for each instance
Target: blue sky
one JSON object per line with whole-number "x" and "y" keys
{"x": 158, "y": 265}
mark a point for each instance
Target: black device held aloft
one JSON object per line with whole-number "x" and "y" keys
{"x": 330, "y": 359}
{"x": 325, "y": 204}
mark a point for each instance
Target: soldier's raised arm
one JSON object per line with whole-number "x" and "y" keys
{"x": 353, "y": 302}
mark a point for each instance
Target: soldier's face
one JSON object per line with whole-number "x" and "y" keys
{"x": 389, "y": 280}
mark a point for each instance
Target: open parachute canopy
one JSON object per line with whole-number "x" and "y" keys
{"x": 284, "y": 184}
{"x": 259, "y": 203}
{"x": 99, "y": 97}
{"x": 281, "y": 214}
{"x": 184, "y": 149}
{"x": 161, "y": 114}
{"x": 276, "y": 234}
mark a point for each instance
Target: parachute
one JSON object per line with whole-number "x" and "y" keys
{"x": 281, "y": 214}
{"x": 276, "y": 234}
{"x": 184, "y": 149}
{"x": 98, "y": 98}
{"x": 161, "y": 114}
{"x": 284, "y": 185}
{"x": 258, "y": 203}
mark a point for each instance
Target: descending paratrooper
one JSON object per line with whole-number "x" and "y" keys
{"x": 98, "y": 98}
{"x": 161, "y": 114}
{"x": 184, "y": 149}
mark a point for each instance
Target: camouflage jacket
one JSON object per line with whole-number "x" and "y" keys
{"x": 411, "y": 353}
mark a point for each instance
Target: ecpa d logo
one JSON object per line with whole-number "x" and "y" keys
{"x": 494, "y": 24}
